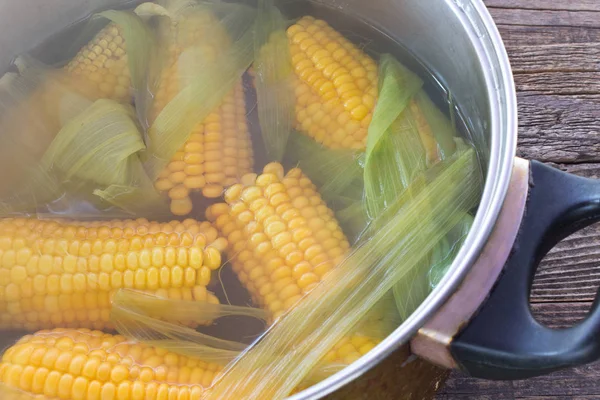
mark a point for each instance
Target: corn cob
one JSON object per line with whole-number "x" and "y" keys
{"x": 336, "y": 87}
{"x": 283, "y": 239}
{"x": 218, "y": 151}
{"x": 83, "y": 364}
{"x": 102, "y": 66}
{"x": 64, "y": 273}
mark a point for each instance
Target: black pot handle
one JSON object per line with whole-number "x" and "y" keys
{"x": 504, "y": 340}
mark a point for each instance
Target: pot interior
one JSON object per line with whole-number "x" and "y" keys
{"x": 452, "y": 44}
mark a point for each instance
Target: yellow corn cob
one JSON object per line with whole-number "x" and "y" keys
{"x": 219, "y": 150}
{"x": 336, "y": 86}
{"x": 217, "y": 153}
{"x": 83, "y": 364}
{"x": 283, "y": 239}
{"x": 64, "y": 273}
{"x": 102, "y": 66}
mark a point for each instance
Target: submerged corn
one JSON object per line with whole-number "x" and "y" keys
{"x": 336, "y": 86}
{"x": 91, "y": 365}
{"x": 283, "y": 239}
{"x": 102, "y": 65}
{"x": 218, "y": 151}
{"x": 64, "y": 273}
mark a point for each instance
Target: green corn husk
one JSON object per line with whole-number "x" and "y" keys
{"x": 96, "y": 145}
{"x": 79, "y": 156}
{"x": 381, "y": 320}
{"x": 337, "y": 173}
{"x": 145, "y": 318}
{"x": 99, "y": 152}
{"x": 334, "y": 307}
{"x": 34, "y": 104}
{"x": 444, "y": 129}
{"x": 140, "y": 44}
{"x": 419, "y": 137}
{"x": 444, "y": 255}
{"x": 393, "y": 125}
{"x": 274, "y": 79}
{"x": 353, "y": 220}
{"x": 411, "y": 292}
{"x": 207, "y": 78}
{"x": 154, "y": 320}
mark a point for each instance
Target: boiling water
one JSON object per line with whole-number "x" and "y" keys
{"x": 61, "y": 47}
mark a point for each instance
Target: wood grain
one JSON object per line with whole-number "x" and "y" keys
{"x": 559, "y": 129}
{"x": 579, "y": 5}
{"x": 554, "y": 47}
{"x": 542, "y": 17}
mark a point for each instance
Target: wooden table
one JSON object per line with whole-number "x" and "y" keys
{"x": 554, "y": 46}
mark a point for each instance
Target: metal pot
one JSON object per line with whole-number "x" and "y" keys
{"x": 478, "y": 318}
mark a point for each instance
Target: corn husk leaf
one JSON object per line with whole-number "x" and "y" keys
{"x": 397, "y": 86}
{"x": 35, "y": 102}
{"x": 394, "y": 163}
{"x": 206, "y": 79}
{"x": 172, "y": 337}
{"x": 309, "y": 330}
{"x": 444, "y": 255}
{"x": 155, "y": 321}
{"x": 96, "y": 145}
{"x": 145, "y": 318}
{"x": 411, "y": 292}
{"x": 443, "y": 128}
{"x": 381, "y": 320}
{"x": 353, "y": 220}
{"x": 337, "y": 173}
{"x": 98, "y": 152}
{"x": 184, "y": 310}
{"x": 437, "y": 134}
{"x": 274, "y": 79}
{"x": 140, "y": 47}
{"x": 393, "y": 124}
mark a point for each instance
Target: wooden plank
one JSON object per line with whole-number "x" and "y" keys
{"x": 560, "y": 315}
{"x": 534, "y": 35}
{"x": 562, "y": 83}
{"x": 539, "y": 22}
{"x": 559, "y": 129}
{"x": 573, "y": 383}
{"x": 580, "y": 57}
{"x": 551, "y": 18}
{"x": 579, "y": 5}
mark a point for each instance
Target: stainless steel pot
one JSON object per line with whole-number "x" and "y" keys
{"x": 473, "y": 320}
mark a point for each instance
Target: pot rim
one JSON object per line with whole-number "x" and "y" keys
{"x": 488, "y": 44}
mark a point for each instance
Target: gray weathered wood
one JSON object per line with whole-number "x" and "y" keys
{"x": 547, "y": 35}
{"x": 554, "y": 48}
{"x": 560, "y": 129}
{"x": 521, "y": 16}
{"x": 580, "y": 57}
{"x": 559, "y": 83}
{"x": 578, "y": 5}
